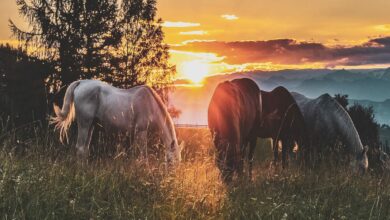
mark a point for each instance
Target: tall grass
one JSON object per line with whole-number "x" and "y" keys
{"x": 42, "y": 179}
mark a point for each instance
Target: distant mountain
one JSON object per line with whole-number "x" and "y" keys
{"x": 366, "y": 86}
{"x": 376, "y": 89}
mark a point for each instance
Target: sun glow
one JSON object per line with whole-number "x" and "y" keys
{"x": 195, "y": 70}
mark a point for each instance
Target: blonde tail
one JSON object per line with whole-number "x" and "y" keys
{"x": 63, "y": 117}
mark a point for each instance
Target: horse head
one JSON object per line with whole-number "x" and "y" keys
{"x": 362, "y": 160}
{"x": 173, "y": 155}
{"x": 226, "y": 157}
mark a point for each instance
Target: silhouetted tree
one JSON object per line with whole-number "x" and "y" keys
{"x": 385, "y": 126}
{"x": 364, "y": 121}
{"x": 77, "y": 34}
{"x": 96, "y": 38}
{"x": 142, "y": 57}
{"x": 342, "y": 100}
{"x": 22, "y": 88}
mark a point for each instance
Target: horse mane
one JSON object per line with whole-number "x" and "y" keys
{"x": 164, "y": 109}
{"x": 346, "y": 127}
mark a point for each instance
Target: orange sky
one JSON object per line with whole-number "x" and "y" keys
{"x": 318, "y": 20}
{"x": 330, "y": 23}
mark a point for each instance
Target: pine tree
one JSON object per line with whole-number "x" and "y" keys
{"x": 142, "y": 57}
{"x": 96, "y": 38}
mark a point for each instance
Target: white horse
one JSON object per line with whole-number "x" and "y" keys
{"x": 136, "y": 111}
{"x": 325, "y": 119}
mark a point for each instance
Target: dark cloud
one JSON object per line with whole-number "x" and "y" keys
{"x": 288, "y": 51}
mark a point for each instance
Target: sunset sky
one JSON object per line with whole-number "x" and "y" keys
{"x": 217, "y": 36}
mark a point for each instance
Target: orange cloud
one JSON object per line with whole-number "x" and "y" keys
{"x": 179, "y": 24}
{"x": 200, "y": 32}
{"x": 229, "y": 17}
{"x": 292, "y": 52}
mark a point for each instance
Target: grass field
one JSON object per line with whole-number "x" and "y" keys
{"x": 41, "y": 179}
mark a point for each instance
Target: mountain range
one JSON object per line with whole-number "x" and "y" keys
{"x": 369, "y": 87}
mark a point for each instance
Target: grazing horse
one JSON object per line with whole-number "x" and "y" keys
{"x": 136, "y": 111}
{"x": 233, "y": 116}
{"x": 282, "y": 120}
{"x": 326, "y": 121}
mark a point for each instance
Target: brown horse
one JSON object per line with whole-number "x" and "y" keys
{"x": 282, "y": 120}
{"x": 234, "y": 115}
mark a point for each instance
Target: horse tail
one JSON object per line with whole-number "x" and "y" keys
{"x": 64, "y": 117}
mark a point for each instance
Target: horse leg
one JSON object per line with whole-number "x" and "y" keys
{"x": 286, "y": 146}
{"x": 141, "y": 143}
{"x": 252, "y": 145}
{"x": 275, "y": 147}
{"x": 240, "y": 168}
{"x": 84, "y": 134}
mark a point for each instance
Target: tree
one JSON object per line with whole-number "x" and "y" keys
{"x": 96, "y": 38}
{"x": 75, "y": 33}
{"x": 342, "y": 100}
{"x": 364, "y": 121}
{"x": 22, "y": 88}
{"x": 142, "y": 57}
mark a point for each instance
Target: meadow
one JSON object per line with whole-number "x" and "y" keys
{"x": 42, "y": 179}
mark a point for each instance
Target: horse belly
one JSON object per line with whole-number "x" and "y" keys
{"x": 116, "y": 115}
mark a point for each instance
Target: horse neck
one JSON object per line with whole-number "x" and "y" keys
{"x": 349, "y": 132}
{"x": 169, "y": 133}
{"x": 266, "y": 98}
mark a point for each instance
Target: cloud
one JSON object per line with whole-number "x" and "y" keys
{"x": 179, "y": 24}
{"x": 229, "y": 17}
{"x": 289, "y": 51}
{"x": 193, "y": 32}
{"x": 382, "y": 27}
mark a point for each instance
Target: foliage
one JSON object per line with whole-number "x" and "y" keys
{"x": 342, "y": 100}
{"x": 363, "y": 119}
{"x": 88, "y": 38}
{"x": 16, "y": 64}
{"x": 142, "y": 56}
{"x": 75, "y": 33}
{"x": 22, "y": 89}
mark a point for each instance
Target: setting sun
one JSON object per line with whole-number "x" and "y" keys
{"x": 195, "y": 70}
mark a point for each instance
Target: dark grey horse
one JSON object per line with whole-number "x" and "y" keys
{"x": 326, "y": 121}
